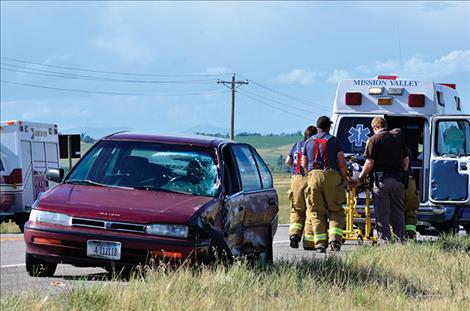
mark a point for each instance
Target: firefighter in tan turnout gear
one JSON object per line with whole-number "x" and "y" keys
{"x": 324, "y": 161}
{"x": 296, "y": 195}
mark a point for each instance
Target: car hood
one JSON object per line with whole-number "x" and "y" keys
{"x": 123, "y": 205}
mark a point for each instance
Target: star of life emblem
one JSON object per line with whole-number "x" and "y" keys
{"x": 359, "y": 135}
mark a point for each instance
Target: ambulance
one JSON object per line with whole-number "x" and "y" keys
{"x": 435, "y": 128}
{"x": 27, "y": 151}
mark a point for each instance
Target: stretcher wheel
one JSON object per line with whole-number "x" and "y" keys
{"x": 360, "y": 240}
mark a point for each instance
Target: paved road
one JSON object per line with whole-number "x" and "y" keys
{"x": 14, "y": 279}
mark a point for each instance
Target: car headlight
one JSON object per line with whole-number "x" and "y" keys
{"x": 177, "y": 231}
{"x": 50, "y": 217}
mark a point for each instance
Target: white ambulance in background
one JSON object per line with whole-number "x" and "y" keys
{"x": 436, "y": 130}
{"x": 27, "y": 151}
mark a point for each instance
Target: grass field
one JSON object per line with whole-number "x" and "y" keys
{"x": 267, "y": 142}
{"x": 415, "y": 276}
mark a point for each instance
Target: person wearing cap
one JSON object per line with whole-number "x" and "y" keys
{"x": 387, "y": 160}
{"x": 296, "y": 195}
{"x": 324, "y": 161}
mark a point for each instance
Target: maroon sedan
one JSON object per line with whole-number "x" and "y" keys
{"x": 135, "y": 198}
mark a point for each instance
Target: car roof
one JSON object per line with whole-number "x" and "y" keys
{"x": 183, "y": 139}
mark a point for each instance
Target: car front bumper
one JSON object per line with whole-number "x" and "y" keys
{"x": 135, "y": 248}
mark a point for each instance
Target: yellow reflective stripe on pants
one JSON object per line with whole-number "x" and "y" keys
{"x": 336, "y": 231}
{"x": 319, "y": 237}
{"x": 410, "y": 228}
{"x": 296, "y": 226}
{"x": 309, "y": 238}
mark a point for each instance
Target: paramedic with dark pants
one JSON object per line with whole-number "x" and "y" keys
{"x": 327, "y": 176}
{"x": 296, "y": 194}
{"x": 411, "y": 192}
{"x": 385, "y": 157}
{"x": 411, "y": 201}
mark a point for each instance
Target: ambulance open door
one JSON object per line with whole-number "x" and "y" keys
{"x": 450, "y": 160}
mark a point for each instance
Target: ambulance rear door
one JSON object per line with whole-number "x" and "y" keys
{"x": 450, "y": 160}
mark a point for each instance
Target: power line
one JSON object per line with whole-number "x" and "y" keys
{"x": 282, "y": 103}
{"x": 309, "y": 103}
{"x": 109, "y": 93}
{"x": 274, "y": 107}
{"x": 95, "y": 78}
{"x": 110, "y": 72}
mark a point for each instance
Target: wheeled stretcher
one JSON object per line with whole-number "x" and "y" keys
{"x": 358, "y": 228}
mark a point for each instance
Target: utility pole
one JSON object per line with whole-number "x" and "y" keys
{"x": 233, "y": 85}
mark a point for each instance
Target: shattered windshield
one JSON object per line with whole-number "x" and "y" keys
{"x": 149, "y": 166}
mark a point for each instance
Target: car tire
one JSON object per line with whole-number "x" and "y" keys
{"x": 39, "y": 268}
{"x": 446, "y": 228}
{"x": 267, "y": 256}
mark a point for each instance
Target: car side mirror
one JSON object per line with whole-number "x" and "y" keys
{"x": 55, "y": 174}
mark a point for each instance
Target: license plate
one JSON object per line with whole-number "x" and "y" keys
{"x": 104, "y": 249}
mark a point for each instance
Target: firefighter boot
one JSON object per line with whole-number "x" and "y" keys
{"x": 294, "y": 241}
{"x": 296, "y": 195}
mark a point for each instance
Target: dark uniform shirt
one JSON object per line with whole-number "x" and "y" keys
{"x": 296, "y": 155}
{"x": 332, "y": 148}
{"x": 387, "y": 151}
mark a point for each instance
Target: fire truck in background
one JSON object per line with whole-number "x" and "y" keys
{"x": 435, "y": 129}
{"x": 28, "y": 150}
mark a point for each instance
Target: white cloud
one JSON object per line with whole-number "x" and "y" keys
{"x": 416, "y": 67}
{"x": 300, "y": 76}
{"x": 338, "y": 75}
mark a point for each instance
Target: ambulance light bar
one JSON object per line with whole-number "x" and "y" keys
{"x": 384, "y": 100}
{"x": 353, "y": 98}
{"x": 451, "y": 85}
{"x": 376, "y": 90}
{"x": 416, "y": 100}
{"x": 395, "y": 91}
{"x": 387, "y": 77}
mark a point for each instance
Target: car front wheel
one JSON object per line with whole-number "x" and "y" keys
{"x": 39, "y": 268}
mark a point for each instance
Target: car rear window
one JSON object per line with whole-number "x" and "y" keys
{"x": 150, "y": 166}
{"x": 2, "y": 168}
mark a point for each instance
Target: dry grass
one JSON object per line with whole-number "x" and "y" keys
{"x": 9, "y": 227}
{"x": 282, "y": 184}
{"x": 421, "y": 276}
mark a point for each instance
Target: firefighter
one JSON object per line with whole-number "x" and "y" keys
{"x": 324, "y": 161}
{"x": 296, "y": 195}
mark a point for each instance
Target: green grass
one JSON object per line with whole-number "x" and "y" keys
{"x": 264, "y": 142}
{"x": 416, "y": 276}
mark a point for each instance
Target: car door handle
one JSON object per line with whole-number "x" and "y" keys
{"x": 272, "y": 202}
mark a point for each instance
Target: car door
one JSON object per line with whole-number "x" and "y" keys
{"x": 450, "y": 160}
{"x": 260, "y": 203}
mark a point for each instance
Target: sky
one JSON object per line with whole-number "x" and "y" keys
{"x": 166, "y": 59}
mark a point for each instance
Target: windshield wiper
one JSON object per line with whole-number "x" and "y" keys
{"x": 84, "y": 182}
{"x": 92, "y": 183}
{"x": 153, "y": 188}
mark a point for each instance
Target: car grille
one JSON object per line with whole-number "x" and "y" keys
{"x": 107, "y": 225}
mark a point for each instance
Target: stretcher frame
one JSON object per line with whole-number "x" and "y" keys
{"x": 357, "y": 234}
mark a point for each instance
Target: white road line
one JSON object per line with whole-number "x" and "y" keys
{"x": 13, "y": 266}
{"x": 280, "y": 242}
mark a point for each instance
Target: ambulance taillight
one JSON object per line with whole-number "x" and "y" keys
{"x": 15, "y": 177}
{"x": 416, "y": 100}
{"x": 353, "y": 98}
